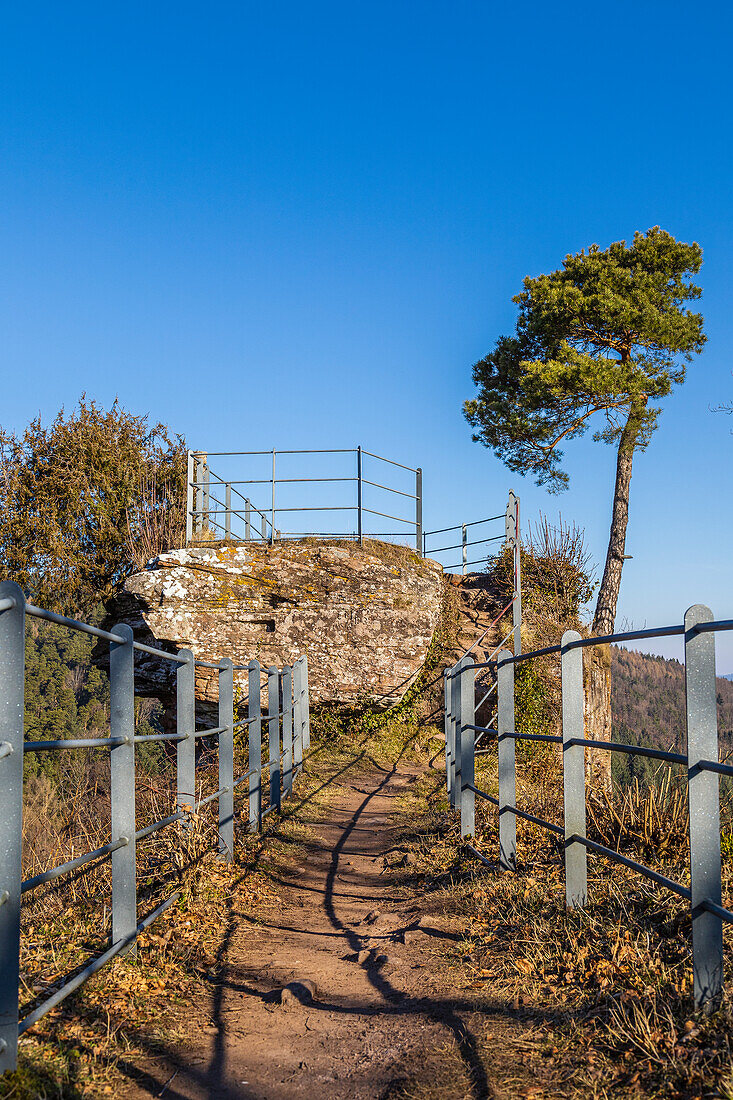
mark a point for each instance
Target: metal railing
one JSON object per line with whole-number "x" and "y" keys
{"x": 701, "y": 762}
{"x": 510, "y": 535}
{"x": 225, "y": 522}
{"x": 287, "y": 719}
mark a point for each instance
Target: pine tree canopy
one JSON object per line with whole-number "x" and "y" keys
{"x": 607, "y": 333}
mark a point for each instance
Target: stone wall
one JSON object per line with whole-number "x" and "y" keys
{"x": 365, "y": 616}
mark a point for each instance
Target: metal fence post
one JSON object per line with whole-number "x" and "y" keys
{"x": 704, "y": 800}
{"x": 298, "y": 716}
{"x": 455, "y": 713}
{"x": 273, "y": 733}
{"x": 198, "y": 491}
{"x": 464, "y": 548}
{"x": 418, "y": 511}
{"x": 185, "y": 728}
{"x": 507, "y": 761}
{"x": 468, "y": 738}
{"x": 12, "y": 684}
{"x": 122, "y": 769}
{"x": 254, "y": 712}
{"x": 189, "y": 498}
{"x": 359, "y": 497}
{"x": 286, "y": 681}
{"x": 306, "y": 706}
{"x": 272, "y": 530}
{"x": 511, "y": 525}
{"x": 207, "y": 499}
{"x": 573, "y": 772}
{"x": 447, "y": 726}
{"x": 247, "y": 520}
{"x": 226, "y": 759}
{"x": 228, "y": 508}
{"x": 517, "y": 609}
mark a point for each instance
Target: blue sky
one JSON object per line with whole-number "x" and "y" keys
{"x": 300, "y": 225}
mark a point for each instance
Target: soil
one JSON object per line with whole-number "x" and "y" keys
{"x": 342, "y": 990}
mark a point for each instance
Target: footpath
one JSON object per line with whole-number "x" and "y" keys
{"x": 341, "y": 991}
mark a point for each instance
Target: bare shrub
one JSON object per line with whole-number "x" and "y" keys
{"x": 156, "y": 522}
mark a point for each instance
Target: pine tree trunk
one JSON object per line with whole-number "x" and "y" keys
{"x": 598, "y": 660}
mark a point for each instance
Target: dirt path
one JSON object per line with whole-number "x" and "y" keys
{"x": 377, "y": 1014}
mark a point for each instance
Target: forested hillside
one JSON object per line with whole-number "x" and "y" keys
{"x": 648, "y": 705}
{"x": 66, "y": 695}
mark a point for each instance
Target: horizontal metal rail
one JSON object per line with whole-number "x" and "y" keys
{"x": 72, "y": 864}
{"x": 92, "y": 967}
{"x": 630, "y": 750}
{"x": 242, "y": 778}
{"x": 211, "y": 798}
{"x": 640, "y": 868}
{"x": 718, "y": 910}
{"x": 552, "y": 737}
{"x": 73, "y": 624}
{"x": 250, "y": 454}
{"x": 713, "y": 766}
{"x": 479, "y": 856}
{"x": 142, "y": 738}
{"x": 140, "y": 647}
{"x": 535, "y": 820}
{"x": 141, "y": 834}
{"x": 323, "y": 508}
{"x": 482, "y": 794}
{"x": 457, "y": 545}
{"x": 76, "y": 743}
{"x": 391, "y": 461}
{"x": 278, "y": 481}
{"x": 459, "y": 526}
{"x": 385, "y": 515}
{"x": 399, "y": 492}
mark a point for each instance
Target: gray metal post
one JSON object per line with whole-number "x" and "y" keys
{"x": 272, "y": 530}
{"x": 122, "y": 769}
{"x": 226, "y": 759}
{"x": 298, "y": 712}
{"x": 464, "y": 548}
{"x": 704, "y": 798}
{"x": 207, "y": 499}
{"x": 468, "y": 702}
{"x": 573, "y": 772}
{"x": 189, "y": 498}
{"x": 255, "y": 746}
{"x": 273, "y": 733}
{"x": 286, "y": 681}
{"x": 447, "y": 726}
{"x": 185, "y": 728}
{"x": 517, "y": 609}
{"x": 306, "y": 706}
{"x": 198, "y": 493}
{"x": 418, "y": 510}
{"x": 228, "y": 506}
{"x": 12, "y": 681}
{"x": 513, "y": 541}
{"x": 455, "y": 713}
{"x": 247, "y": 520}
{"x": 360, "y": 528}
{"x": 507, "y": 762}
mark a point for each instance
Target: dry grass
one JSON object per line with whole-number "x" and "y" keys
{"x": 126, "y": 1008}
{"x": 608, "y": 990}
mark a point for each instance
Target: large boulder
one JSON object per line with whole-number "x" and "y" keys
{"x": 365, "y": 616}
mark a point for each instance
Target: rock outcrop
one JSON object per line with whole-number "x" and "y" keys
{"x": 365, "y": 616}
